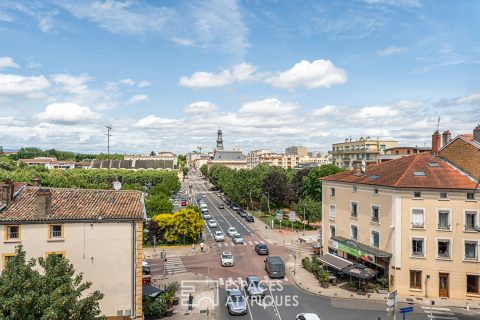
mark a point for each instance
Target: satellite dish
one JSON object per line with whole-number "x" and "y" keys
{"x": 364, "y": 165}
{"x": 117, "y": 185}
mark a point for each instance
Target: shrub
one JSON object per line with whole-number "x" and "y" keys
{"x": 383, "y": 281}
{"x": 307, "y": 264}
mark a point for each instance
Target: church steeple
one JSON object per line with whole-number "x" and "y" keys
{"x": 219, "y": 139}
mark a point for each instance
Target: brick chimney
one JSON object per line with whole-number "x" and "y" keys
{"x": 36, "y": 181}
{"x": 446, "y": 137}
{"x": 476, "y": 133}
{"x": 436, "y": 142}
{"x": 357, "y": 168}
{"x": 8, "y": 190}
{"x": 44, "y": 202}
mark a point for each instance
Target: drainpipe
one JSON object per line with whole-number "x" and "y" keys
{"x": 134, "y": 269}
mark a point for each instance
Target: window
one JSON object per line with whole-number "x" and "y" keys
{"x": 417, "y": 194}
{"x": 375, "y": 239}
{"x": 443, "y": 220}
{"x": 419, "y": 173}
{"x": 332, "y": 212}
{"x": 12, "y": 233}
{"x": 418, "y": 220}
{"x": 332, "y": 231}
{"x": 332, "y": 192}
{"x": 470, "y": 195}
{"x": 55, "y": 231}
{"x": 443, "y": 249}
{"x": 354, "y": 209}
{"x": 6, "y": 257}
{"x": 473, "y": 284}
{"x": 61, "y": 254}
{"x": 471, "y": 252}
{"x": 418, "y": 247}
{"x": 375, "y": 213}
{"x": 354, "y": 232}
{"x": 375, "y": 190}
{"x": 443, "y": 195}
{"x": 415, "y": 279}
{"x": 470, "y": 220}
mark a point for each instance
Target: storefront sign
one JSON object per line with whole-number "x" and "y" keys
{"x": 352, "y": 251}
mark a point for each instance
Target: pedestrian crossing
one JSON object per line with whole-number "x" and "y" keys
{"x": 231, "y": 244}
{"x": 304, "y": 251}
{"x": 239, "y": 282}
{"x": 436, "y": 313}
{"x": 175, "y": 265}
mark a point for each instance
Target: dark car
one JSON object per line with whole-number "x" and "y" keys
{"x": 261, "y": 249}
{"x": 145, "y": 270}
{"x": 249, "y": 218}
{"x": 242, "y": 213}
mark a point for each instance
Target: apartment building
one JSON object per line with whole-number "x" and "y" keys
{"x": 297, "y": 150}
{"x": 398, "y": 152}
{"x": 99, "y": 231}
{"x": 367, "y": 149}
{"x": 415, "y": 219}
{"x": 285, "y": 161}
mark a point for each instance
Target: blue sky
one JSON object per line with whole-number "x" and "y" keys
{"x": 166, "y": 74}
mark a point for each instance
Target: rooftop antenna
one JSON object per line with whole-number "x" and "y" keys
{"x": 109, "y": 128}
{"x": 438, "y": 124}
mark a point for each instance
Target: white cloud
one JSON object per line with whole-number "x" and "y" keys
{"x": 183, "y": 41}
{"x": 408, "y": 104}
{"x": 325, "y": 111}
{"x": 240, "y": 72}
{"x": 469, "y": 100}
{"x": 269, "y": 106}
{"x": 128, "y": 82}
{"x": 200, "y": 107}
{"x": 72, "y": 84}
{"x": 11, "y": 84}
{"x": 144, "y": 83}
{"x": 400, "y": 3}
{"x": 391, "y": 51}
{"x": 376, "y": 112}
{"x": 152, "y": 122}
{"x": 7, "y": 62}
{"x": 137, "y": 98}
{"x": 315, "y": 74}
{"x": 67, "y": 113}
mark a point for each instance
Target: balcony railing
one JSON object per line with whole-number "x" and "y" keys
{"x": 418, "y": 254}
{"x": 56, "y": 234}
{"x": 442, "y": 226}
{"x": 470, "y": 227}
{"x": 13, "y": 235}
{"x": 418, "y": 225}
{"x": 375, "y": 219}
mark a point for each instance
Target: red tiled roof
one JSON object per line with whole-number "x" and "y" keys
{"x": 400, "y": 173}
{"x": 76, "y": 204}
{"x": 16, "y": 185}
{"x": 36, "y": 160}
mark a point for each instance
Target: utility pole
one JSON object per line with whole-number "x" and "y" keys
{"x": 109, "y": 127}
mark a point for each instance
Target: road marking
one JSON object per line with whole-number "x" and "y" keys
{"x": 436, "y": 308}
{"x": 226, "y": 244}
{"x": 220, "y": 281}
{"x": 250, "y": 243}
{"x": 244, "y": 243}
{"x": 441, "y": 317}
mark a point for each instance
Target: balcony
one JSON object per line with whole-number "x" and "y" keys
{"x": 418, "y": 225}
{"x": 375, "y": 219}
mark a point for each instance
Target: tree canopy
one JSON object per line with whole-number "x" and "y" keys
{"x": 184, "y": 225}
{"x": 312, "y": 186}
{"x": 54, "y": 292}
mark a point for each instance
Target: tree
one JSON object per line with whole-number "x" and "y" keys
{"x": 54, "y": 293}
{"x": 152, "y": 153}
{"x": 204, "y": 170}
{"x": 184, "y": 225}
{"x": 313, "y": 210}
{"x": 297, "y": 183}
{"x": 1, "y": 149}
{"x": 312, "y": 184}
{"x": 278, "y": 189}
{"x": 157, "y": 203}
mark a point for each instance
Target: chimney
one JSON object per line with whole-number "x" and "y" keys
{"x": 36, "y": 181}
{"x": 476, "y": 133}
{"x": 357, "y": 168}
{"x": 436, "y": 142}
{"x": 8, "y": 190}
{"x": 44, "y": 202}
{"x": 446, "y": 137}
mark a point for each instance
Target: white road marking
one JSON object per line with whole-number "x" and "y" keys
{"x": 250, "y": 243}
{"x": 226, "y": 244}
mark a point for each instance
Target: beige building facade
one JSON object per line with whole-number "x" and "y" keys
{"x": 414, "y": 219}
{"x": 102, "y": 238}
{"x": 345, "y": 153}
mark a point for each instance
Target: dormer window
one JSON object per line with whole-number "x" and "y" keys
{"x": 470, "y": 195}
{"x": 443, "y": 195}
{"x": 417, "y": 194}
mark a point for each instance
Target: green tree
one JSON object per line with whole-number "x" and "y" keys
{"x": 313, "y": 210}
{"x": 278, "y": 189}
{"x": 157, "y": 203}
{"x": 204, "y": 170}
{"x": 312, "y": 184}
{"x": 54, "y": 293}
{"x": 7, "y": 164}
{"x": 297, "y": 183}
{"x": 1, "y": 149}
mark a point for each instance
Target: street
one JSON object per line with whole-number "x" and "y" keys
{"x": 284, "y": 300}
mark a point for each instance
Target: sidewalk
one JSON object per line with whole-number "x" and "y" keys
{"x": 172, "y": 251}
{"x": 204, "y": 292}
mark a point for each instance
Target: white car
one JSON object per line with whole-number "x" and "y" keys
{"x": 219, "y": 236}
{"x": 207, "y": 216}
{"x": 231, "y": 231}
{"x": 145, "y": 264}
{"x": 227, "y": 259}
{"x": 212, "y": 223}
{"x": 237, "y": 238}
{"x": 307, "y": 316}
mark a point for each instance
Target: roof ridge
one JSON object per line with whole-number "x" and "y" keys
{"x": 80, "y": 189}
{"x": 414, "y": 160}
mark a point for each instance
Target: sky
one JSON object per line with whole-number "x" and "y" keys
{"x": 166, "y": 74}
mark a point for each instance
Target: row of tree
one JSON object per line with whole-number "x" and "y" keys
{"x": 269, "y": 185}
{"x": 31, "y": 152}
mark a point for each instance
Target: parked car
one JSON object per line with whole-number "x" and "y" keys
{"x": 237, "y": 238}
{"x": 231, "y": 231}
{"x": 235, "y": 302}
{"x": 275, "y": 267}
{"x": 219, "y": 236}
{"x": 212, "y": 223}
{"x": 307, "y": 316}
{"x": 221, "y": 206}
{"x": 261, "y": 249}
{"x": 234, "y": 207}
{"x": 204, "y": 195}
{"x": 242, "y": 213}
{"x": 207, "y": 216}
{"x": 183, "y": 203}
{"x": 254, "y": 288}
{"x": 227, "y": 259}
{"x": 249, "y": 218}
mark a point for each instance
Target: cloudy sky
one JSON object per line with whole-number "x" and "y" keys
{"x": 166, "y": 74}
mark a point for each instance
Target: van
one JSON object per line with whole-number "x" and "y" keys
{"x": 275, "y": 267}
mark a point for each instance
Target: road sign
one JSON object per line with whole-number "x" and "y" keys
{"x": 292, "y": 216}
{"x": 279, "y": 215}
{"x": 392, "y": 303}
{"x": 406, "y": 310}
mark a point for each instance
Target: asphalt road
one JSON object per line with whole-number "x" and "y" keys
{"x": 284, "y": 300}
